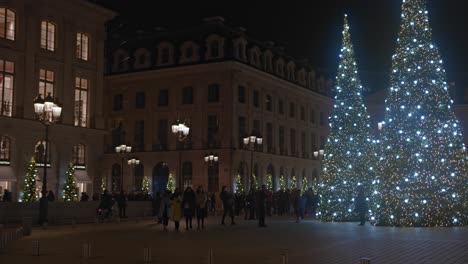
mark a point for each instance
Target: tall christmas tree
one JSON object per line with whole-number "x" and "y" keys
{"x": 305, "y": 184}
{"x": 69, "y": 189}
{"x": 103, "y": 184}
{"x": 145, "y": 185}
{"x": 254, "y": 184}
{"x": 170, "y": 183}
{"x": 282, "y": 184}
{"x": 269, "y": 182}
{"x": 423, "y": 168}
{"x": 349, "y": 159}
{"x": 293, "y": 182}
{"x": 239, "y": 184}
{"x": 29, "y": 189}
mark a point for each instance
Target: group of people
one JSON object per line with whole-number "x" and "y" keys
{"x": 6, "y": 196}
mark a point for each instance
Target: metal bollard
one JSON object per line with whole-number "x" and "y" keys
{"x": 284, "y": 257}
{"x": 211, "y": 256}
{"x": 36, "y": 248}
{"x": 364, "y": 261}
{"x": 146, "y": 254}
{"x": 86, "y": 250}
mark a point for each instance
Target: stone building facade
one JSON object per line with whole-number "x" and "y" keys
{"x": 225, "y": 85}
{"x": 58, "y": 47}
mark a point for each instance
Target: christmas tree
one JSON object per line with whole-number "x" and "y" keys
{"x": 103, "y": 184}
{"x": 293, "y": 182}
{"x": 282, "y": 183}
{"x": 29, "y": 189}
{"x": 349, "y": 158}
{"x": 145, "y": 185}
{"x": 170, "y": 183}
{"x": 304, "y": 184}
{"x": 69, "y": 189}
{"x": 423, "y": 169}
{"x": 239, "y": 185}
{"x": 269, "y": 182}
{"x": 254, "y": 184}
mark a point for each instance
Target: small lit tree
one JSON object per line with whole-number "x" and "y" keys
{"x": 269, "y": 182}
{"x": 29, "y": 189}
{"x": 254, "y": 184}
{"x": 282, "y": 184}
{"x": 239, "y": 185}
{"x": 69, "y": 190}
{"x": 293, "y": 182}
{"x": 304, "y": 184}
{"x": 145, "y": 185}
{"x": 103, "y": 184}
{"x": 170, "y": 183}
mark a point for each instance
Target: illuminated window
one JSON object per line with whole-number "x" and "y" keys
{"x": 7, "y": 70}
{"x": 81, "y": 102}
{"x": 46, "y": 82}
{"x": 7, "y": 23}
{"x": 187, "y": 174}
{"x": 79, "y": 155}
{"x": 48, "y": 35}
{"x": 5, "y": 150}
{"x": 82, "y": 46}
{"x": 39, "y": 153}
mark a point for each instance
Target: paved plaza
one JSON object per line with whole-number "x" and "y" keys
{"x": 307, "y": 242}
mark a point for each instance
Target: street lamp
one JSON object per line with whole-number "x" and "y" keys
{"x": 250, "y": 143}
{"x": 211, "y": 159}
{"x": 122, "y": 151}
{"x": 48, "y": 112}
{"x": 319, "y": 152}
{"x": 380, "y": 125}
{"x": 181, "y": 130}
{"x": 133, "y": 162}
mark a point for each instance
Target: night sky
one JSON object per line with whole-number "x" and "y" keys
{"x": 312, "y": 29}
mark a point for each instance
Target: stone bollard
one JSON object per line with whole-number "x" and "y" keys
{"x": 36, "y": 248}
{"x": 146, "y": 254}
{"x": 364, "y": 261}
{"x": 211, "y": 256}
{"x": 27, "y": 226}
{"x": 284, "y": 257}
{"x": 86, "y": 250}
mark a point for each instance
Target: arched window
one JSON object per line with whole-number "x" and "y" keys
{"x": 5, "y": 150}
{"x": 187, "y": 174}
{"x": 165, "y": 53}
{"x": 7, "y": 71}
{"x": 214, "y": 48}
{"x": 213, "y": 178}
{"x": 7, "y": 23}
{"x": 139, "y": 172}
{"x": 116, "y": 178}
{"x": 39, "y": 153}
{"x": 121, "y": 60}
{"x": 79, "y": 156}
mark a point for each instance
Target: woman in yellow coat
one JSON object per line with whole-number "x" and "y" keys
{"x": 176, "y": 214}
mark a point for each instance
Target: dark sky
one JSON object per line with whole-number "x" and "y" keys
{"x": 311, "y": 29}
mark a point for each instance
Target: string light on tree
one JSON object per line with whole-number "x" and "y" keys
{"x": 69, "y": 191}
{"x": 170, "y": 183}
{"x": 145, "y": 185}
{"x": 29, "y": 189}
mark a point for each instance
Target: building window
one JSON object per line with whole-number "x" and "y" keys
{"x": 7, "y": 23}
{"x": 48, "y": 35}
{"x": 302, "y": 113}
{"x": 293, "y": 141}
{"x": 81, "y": 102}
{"x": 39, "y": 152}
{"x": 213, "y": 93}
{"x": 242, "y": 131}
{"x": 187, "y": 95}
{"x": 163, "y": 98}
{"x": 312, "y": 116}
{"x": 79, "y": 155}
{"x": 256, "y": 126}
{"x": 322, "y": 119}
{"x": 7, "y": 70}
{"x": 165, "y": 55}
{"x": 241, "y": 94}
{"x": 5, "y": 150}
{"x": 303, "y": 144}
{"x": 140, "y": 100}
{"x": 116, "y": 178}
{"x": 292, "y": 109}
{"x": 280, "y": 107}
{"x": 187, "y": 174}
{"x": 118, "y": 102}
{"x": 281, "y": 140}
{"x": 46, "y": 82}
{"x": 313, "y": 142}
{"x": 162, "y": 133}
{"x": 139, "y": 136}
{"x": 117, "y": 135}
{"x": 268, "y": 103}
{"x": 139, "y": 174}
{"x": 213, "y": 178}
{"x": 214, "y": 48}
{"x": 82, "y": 46}
{"x": 189, "y": 52}
{"x": 256, "y": 99}
{"x": 322, "y": 142}
{"x": 212, "y": 130}
{"x": 269, "y": 137}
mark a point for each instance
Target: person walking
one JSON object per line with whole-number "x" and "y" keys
{"x": 122, "y": 204}
{"x": 156, "y": 205}
{"x": 189, "y": 203}
{"x": 261, "y": 205}
{"x": 252, "y": 203}
{"x": 84, "y": 197}
{"x": 51, "y": 196}
{"x": 360, "y": 206}
{"x": 202, "y": 200}
{"x": 228, "y": 202}
{"x": 176, "y": 213}
{"x": 296, "y": 203}
{"x": 213, "y": 203}
{"x": 165, "y": 209}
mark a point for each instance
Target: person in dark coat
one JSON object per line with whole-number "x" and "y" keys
{"x": 188, "y": 203}
{"x": 252, "y": 204}
{"x": 165, "y": 209}
{"x": 156, "y": 205}
{"x": 51, "y": 196}
{"x": 228, "y": 201}
{"x": 122, "y": 204}
{"x": 106, "y": 203}
{"x": 6, "y": 196}
{"x": 213, "y": 202}
{"x": 360, "y": 206}
{"x": 84, "y": 197}
{"x": 202, "y": 201}
{"x": 261, "y": 205}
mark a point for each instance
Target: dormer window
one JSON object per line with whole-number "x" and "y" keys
{"x": 215, "y": 47}
{"x": 189, "y": 51}
{"x": 165, "y": 55}
{"x": 267, "y": 61}
{"x": 280, "y": 67}
{"x": 142, "y": 59}
{"x": 239, "y": 48}
{"x": 166, "y": 52}
{"x": 255, "y": 56}
{"x": 120, "y": 61}
{"x": 291, "y": 71}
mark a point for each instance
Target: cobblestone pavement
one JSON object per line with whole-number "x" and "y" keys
{"x": 308, "y": 242}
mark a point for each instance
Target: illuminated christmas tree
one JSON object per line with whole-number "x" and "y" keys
{"x": 254, "y": 184}
{"x": 269, "y": 182}
{"x": 239, "y": 185}
{"x": 29, "y": 189}
{"x": 69, "y": 189}
{"x": 304, "y": 184}
{"x": 293, "y": 182}
{"x": 103, "y": 184}
{"x": 170, "y": 183}
{"x": 423, "y": 168}
{"x": 145, "y": 185}
{"x": 349, "y": 158}
{"x": 282, "y": 184}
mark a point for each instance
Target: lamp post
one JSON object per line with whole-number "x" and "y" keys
{"x": 133, "y": 162}
{"x": 318, "y": 154}
{"x": 211, "y": 159}
{"x": 250, "y": 143}
{"x": 181, "y": 130}
{"x": 48, "y": 112}
{"x": 122, "y": 151}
